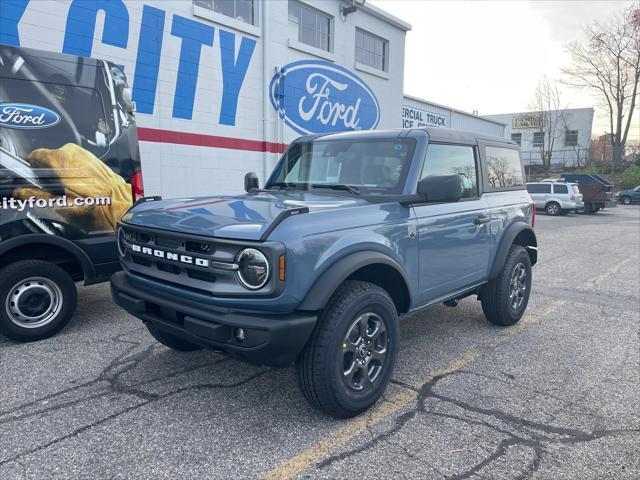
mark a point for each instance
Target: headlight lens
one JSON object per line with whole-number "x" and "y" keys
{"x": 121, "y": 242}
{"x": 253, "y": 272}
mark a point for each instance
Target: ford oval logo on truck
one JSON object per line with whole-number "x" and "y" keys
{"x": 24, "y": 115}
{"x": 320, "y": 97}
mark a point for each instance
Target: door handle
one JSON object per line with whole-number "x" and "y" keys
{"x": 482, "y": 219}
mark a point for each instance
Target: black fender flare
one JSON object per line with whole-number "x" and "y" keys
{"x": 321, "y": 291}
{"x": 508, "y": 238}
{"x": 38, "y": 238}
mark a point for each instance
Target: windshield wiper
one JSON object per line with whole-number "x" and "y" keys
{"x": 285, "y": 185}
{"x": 337, "y": 186}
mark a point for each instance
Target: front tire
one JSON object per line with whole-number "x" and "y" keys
{"x": 552, "y": 209}
{"x": 625, "y": 200}
{"x": 37, "y": 299}
{"x": 505, "y": 298}
{"x": 346, "y": 365}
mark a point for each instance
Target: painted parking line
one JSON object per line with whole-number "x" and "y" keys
{"x": 339, "y": 439}
{"x": 329, "y": 444}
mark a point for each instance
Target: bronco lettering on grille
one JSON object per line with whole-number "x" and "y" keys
{"x": 175, "y": 257}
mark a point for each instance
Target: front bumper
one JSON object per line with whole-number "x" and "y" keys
{"x": 274, "y": 340}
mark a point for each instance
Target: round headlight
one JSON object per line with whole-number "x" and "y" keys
{"x": 121, "y": 242}
{"x": 253, "y": 268}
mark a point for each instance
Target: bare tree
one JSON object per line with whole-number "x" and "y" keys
{"x": 609, "y": 65}
{"x": 550, "y": 115}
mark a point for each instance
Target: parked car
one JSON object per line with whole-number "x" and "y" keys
{"x": 555, "y": 197}
{"x": 627, "y": 197}
{"x": 69, "y": 169}
{"x": 351, "y": 231}
{"x": 597, "y": 191}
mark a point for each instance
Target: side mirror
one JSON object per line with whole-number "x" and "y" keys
{"x": 251, "y": 182}
{"x": 440, "y": 188}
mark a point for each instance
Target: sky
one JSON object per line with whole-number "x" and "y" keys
{"x": 489, "y": 56}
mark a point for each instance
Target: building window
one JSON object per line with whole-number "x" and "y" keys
{"x": 242, "y": 10}
{"x": 371, "y": 50}
{"x": 310, "y": 26}
{"x": 538, "y": 139}
{"x": 517, "y": 137}
{"x": 571, "y": 138}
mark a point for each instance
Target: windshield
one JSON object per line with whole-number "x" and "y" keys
{"x": 371, "y": 166}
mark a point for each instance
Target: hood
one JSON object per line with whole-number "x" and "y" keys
{"x": 243, "y": 217}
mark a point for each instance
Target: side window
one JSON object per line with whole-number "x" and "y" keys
{"x": 539, "y": 188}
{"x": 560, "y": 189}
{"x": 505, "y": 168}
{"x": 452, "y": 159}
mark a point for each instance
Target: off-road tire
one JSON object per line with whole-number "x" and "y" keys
{"x": 625, "y": 200}
{"x": 171, "y": 341}
{"x": 495, "y": 295}
{"x": 320, "y": 366}
{"x": 56, "y": 288}
{"x": 553, "y": 209}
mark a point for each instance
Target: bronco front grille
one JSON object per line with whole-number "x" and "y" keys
{"x": 190, "y": 262}
{"x": 157, "y": 252}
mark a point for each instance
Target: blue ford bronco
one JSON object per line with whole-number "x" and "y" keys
{"x": 351, "y": 231}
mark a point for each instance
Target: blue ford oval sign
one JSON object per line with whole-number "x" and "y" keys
{"x": 320, "y": 97}
{"x": 24, "y": 115}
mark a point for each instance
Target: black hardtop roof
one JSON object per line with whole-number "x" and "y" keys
{"x": 444, "y": 135}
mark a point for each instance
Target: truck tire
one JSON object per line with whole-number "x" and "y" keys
{"x": 504, "y": 299}
{"x": 347, "y": 363}
{"x": 552, "y": 208}
{"x": 37, "y": 299}
{"x": 588, "y": 208}
{"x": 625, "y": 200}
{"x": 171, "y": 341}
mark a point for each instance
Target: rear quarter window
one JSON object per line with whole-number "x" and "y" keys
{"x": 504, "y": 168}
{"x": 560, "y": 189}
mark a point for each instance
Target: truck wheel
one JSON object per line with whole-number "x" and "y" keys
{"x": 588, "y": 208}
{"x": 346, "y": 365}
{"x": 625, "y": 200}
{"x": 552, "y": 208}
{"x": 505, "y": 298}
{"x": 171, "y": 341}
{"x": 37, "y": 299}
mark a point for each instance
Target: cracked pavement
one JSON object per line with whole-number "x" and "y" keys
{"x": 556, "y": 396}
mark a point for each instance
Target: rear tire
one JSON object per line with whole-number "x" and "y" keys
{"x": 588, "y": 209}
{"x": 171, "y": 341}
{"x": 625, "y": 200}
{"x": 505, "y": 298}
{"x": 347, "y": 363}
{"x": 37, "y": 299}
{"x": 552, "y": 209}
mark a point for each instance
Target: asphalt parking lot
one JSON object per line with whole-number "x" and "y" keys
{"x": 556, "y": 396}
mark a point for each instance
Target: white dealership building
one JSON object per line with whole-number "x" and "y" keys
{"x": 417, "y": 112}
{"x": 221, "y": 86}
{"x": 568, "y": 132}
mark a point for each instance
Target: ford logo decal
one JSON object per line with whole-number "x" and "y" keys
{"x": 320, "y": 97}
{"x": 24, "y": 115}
